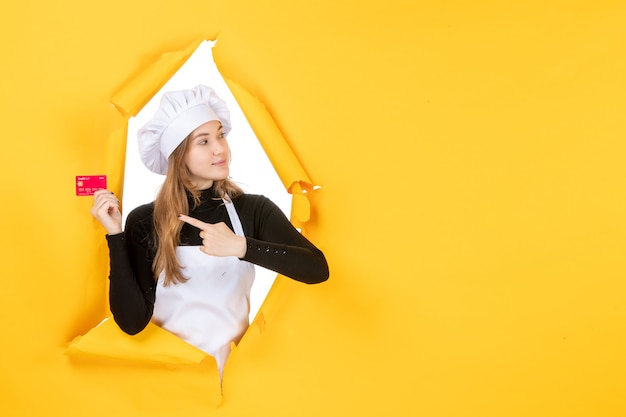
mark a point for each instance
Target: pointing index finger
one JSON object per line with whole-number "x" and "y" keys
{"x": 192, "y": 221}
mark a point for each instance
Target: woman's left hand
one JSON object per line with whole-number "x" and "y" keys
{"x": 217, "y": 239}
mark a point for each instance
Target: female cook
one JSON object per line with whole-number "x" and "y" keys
{"x": 186, "y": 261}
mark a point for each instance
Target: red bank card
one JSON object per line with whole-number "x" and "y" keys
{"x": 89, "y": 184}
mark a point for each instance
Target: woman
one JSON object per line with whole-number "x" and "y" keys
{"x": 186, "y": 261}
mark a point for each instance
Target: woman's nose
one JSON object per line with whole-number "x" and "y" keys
{"x": 218, "y": 148}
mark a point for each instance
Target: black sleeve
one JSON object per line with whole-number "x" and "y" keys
{"x": 274, "y": 243}
{"x": 132, "y": 287}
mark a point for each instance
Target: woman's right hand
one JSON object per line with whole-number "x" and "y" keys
{"x": 106, "y": 209}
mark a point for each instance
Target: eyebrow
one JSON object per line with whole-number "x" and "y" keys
{"x": 219, "y": 129}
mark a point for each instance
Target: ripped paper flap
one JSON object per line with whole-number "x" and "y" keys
{"x": 153, "y": 344}
{"x": 287, "y": 166}
{"x": 134, "y": 96}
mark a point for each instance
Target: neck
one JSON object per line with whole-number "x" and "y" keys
{"x": 203, "y": 185}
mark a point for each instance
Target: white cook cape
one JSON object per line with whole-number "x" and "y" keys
{"x": 210, "y": 310}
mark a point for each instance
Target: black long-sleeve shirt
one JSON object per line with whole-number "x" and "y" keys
{"x": 272, "y": 242}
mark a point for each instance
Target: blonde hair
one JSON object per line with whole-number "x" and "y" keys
{"x": 171, "y": 201}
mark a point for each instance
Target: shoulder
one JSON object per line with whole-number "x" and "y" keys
{"x": 258, "y": 209}
{"x": 139, "y": 223}
{"x": 252, "y": 203}
{"x": 249, "y": 198}
{"x": 141, "y": 214}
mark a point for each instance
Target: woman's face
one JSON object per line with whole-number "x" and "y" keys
{"x": 207, "y": 156}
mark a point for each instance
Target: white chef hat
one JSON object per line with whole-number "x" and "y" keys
{"x": 179, "y": 113}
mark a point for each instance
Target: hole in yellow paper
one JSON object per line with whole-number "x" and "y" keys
{"x": 250, "y": 166}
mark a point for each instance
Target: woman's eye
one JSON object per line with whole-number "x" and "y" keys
{"x": 203, "y": 142}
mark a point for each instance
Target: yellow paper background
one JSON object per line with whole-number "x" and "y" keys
{"x": 471, "y": 159}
